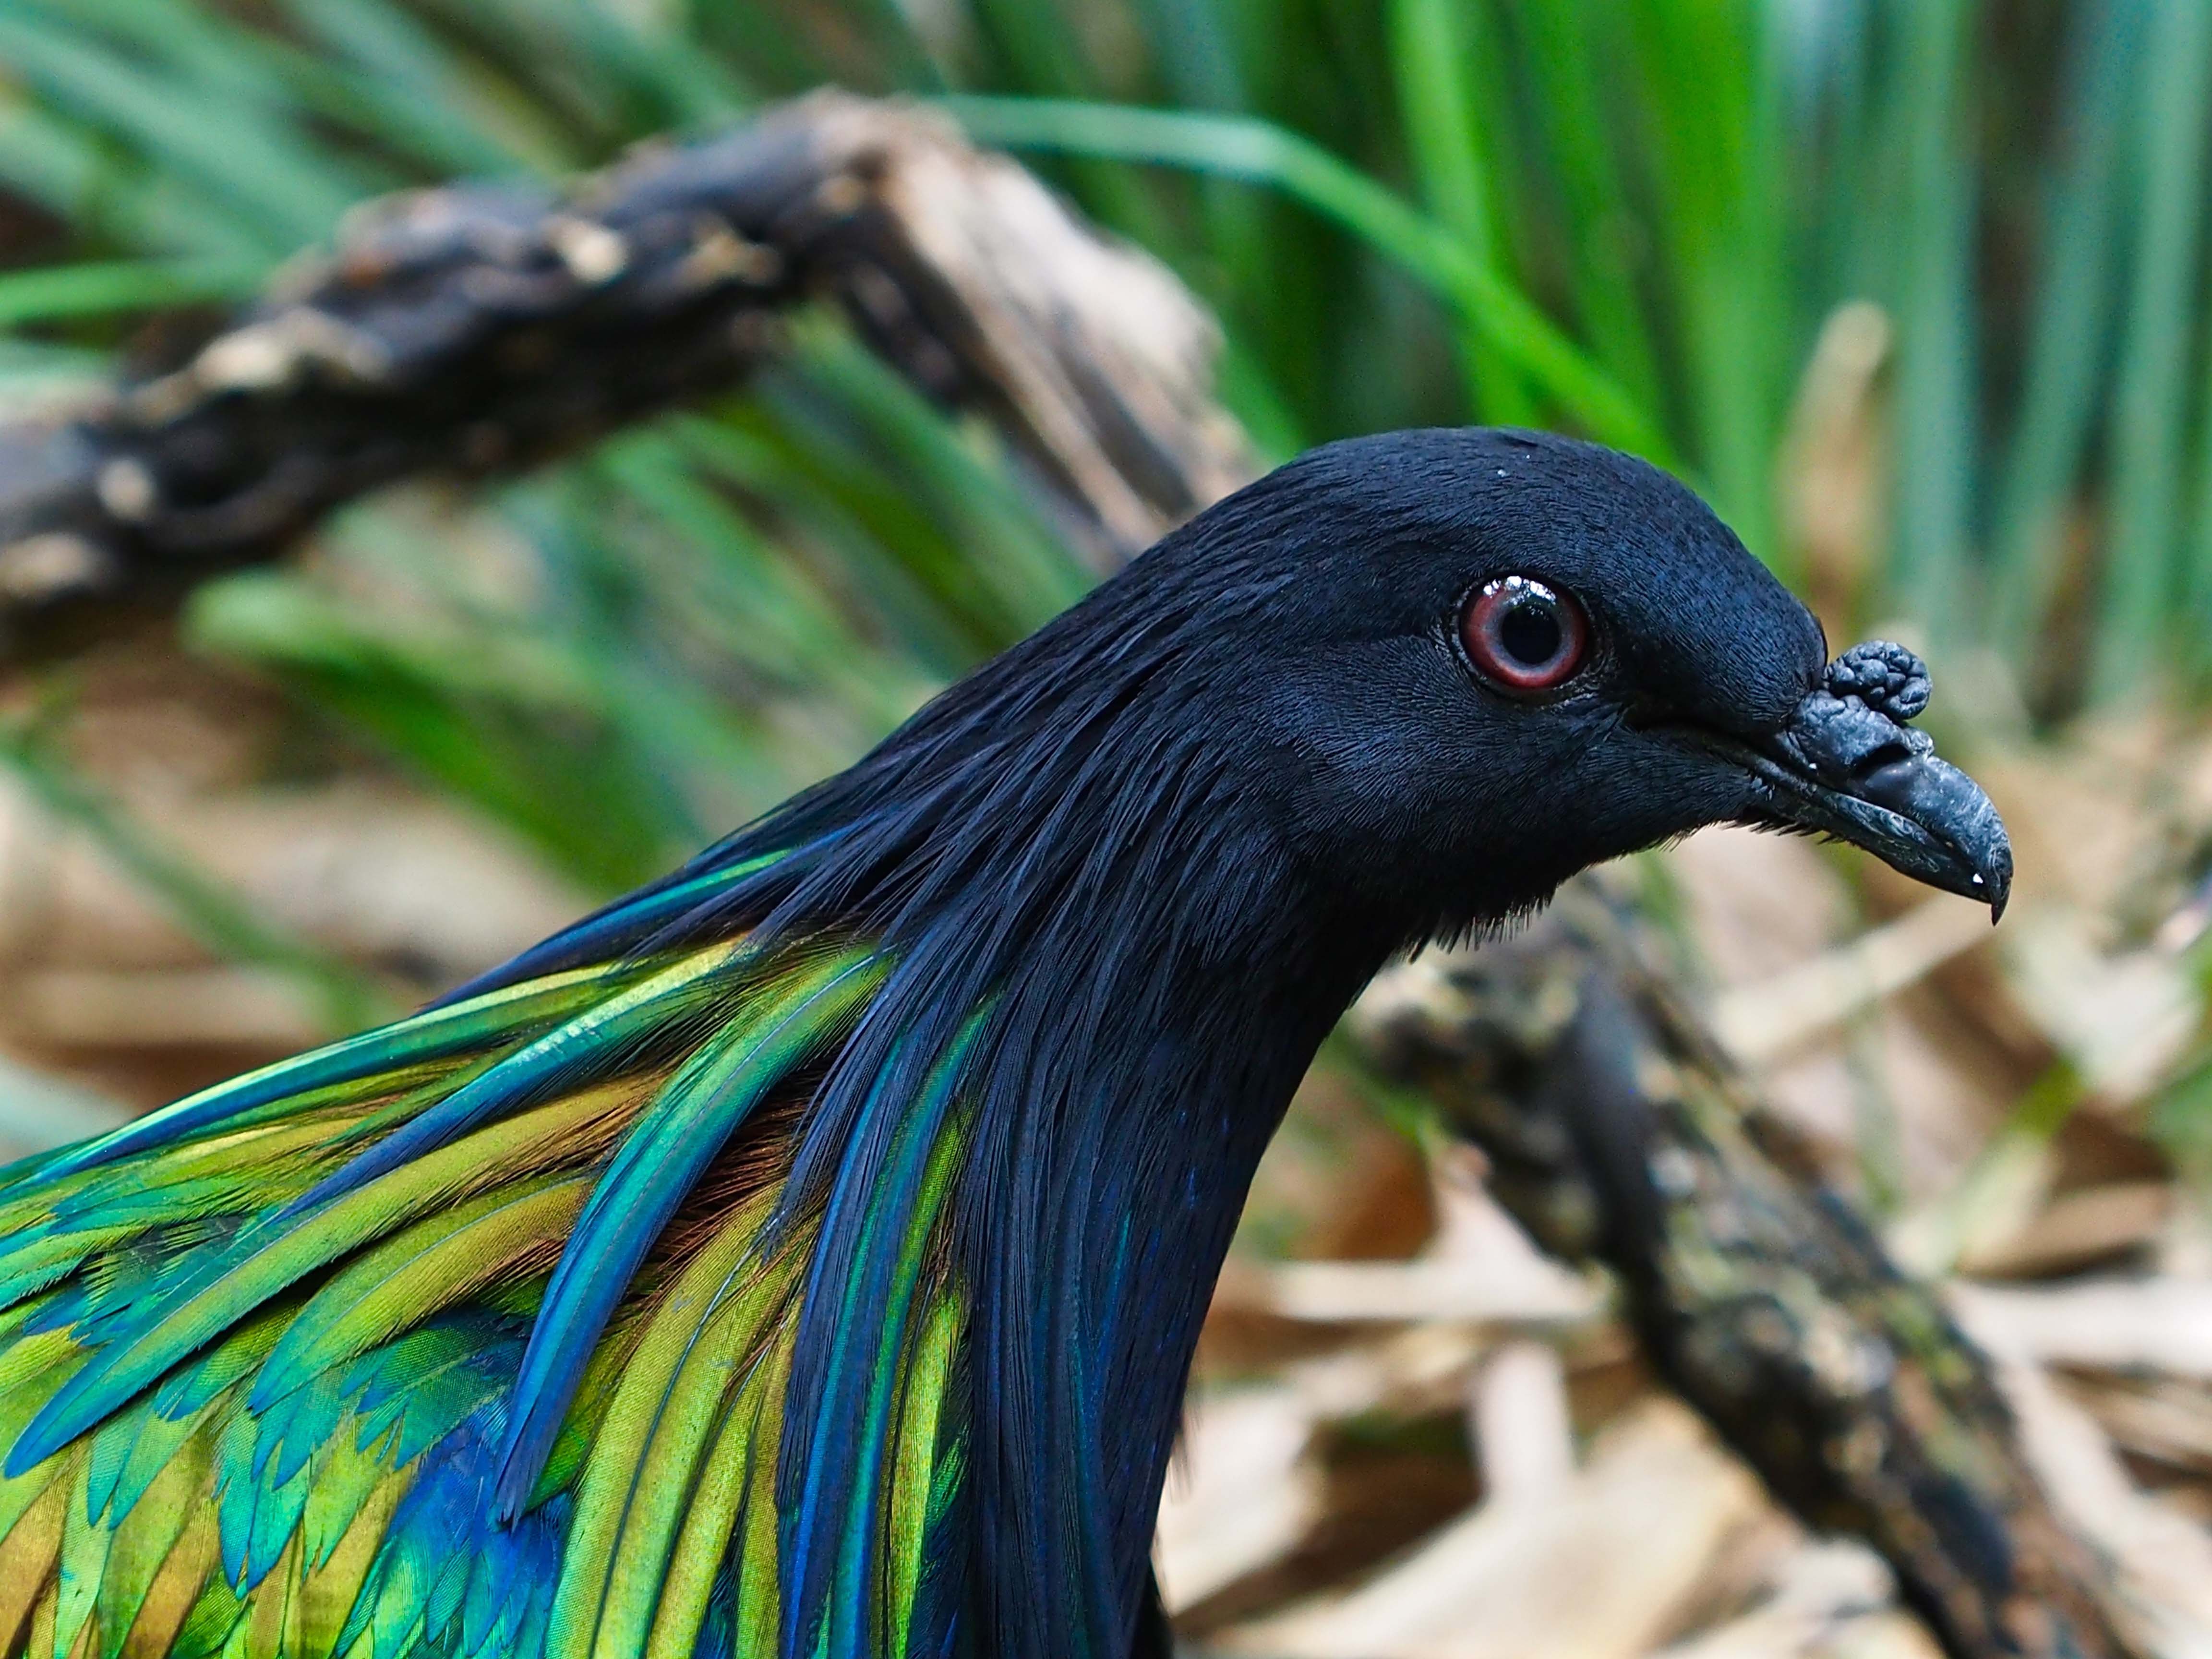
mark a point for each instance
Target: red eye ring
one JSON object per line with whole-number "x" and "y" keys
{"x": 1523, "y": 635}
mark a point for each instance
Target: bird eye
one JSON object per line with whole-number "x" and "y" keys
{"x": 1523, "y": 635}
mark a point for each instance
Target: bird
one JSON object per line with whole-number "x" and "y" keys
{"x": 804, "y": 1256}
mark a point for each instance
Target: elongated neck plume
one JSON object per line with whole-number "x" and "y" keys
{"x": 1094, "y": 920}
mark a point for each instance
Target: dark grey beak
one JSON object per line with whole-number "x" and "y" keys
{"x": 1848, "y": 765}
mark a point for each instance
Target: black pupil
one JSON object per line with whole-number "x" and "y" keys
{"x": 1529, "y": 633}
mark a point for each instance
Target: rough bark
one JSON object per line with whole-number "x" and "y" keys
{"x": 479, "y": 329}
{"x": 1616, "y": 1132}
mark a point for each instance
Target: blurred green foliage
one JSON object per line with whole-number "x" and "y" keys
{"x": 1628, "y": 220}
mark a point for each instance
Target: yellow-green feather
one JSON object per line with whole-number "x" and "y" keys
{"x": 759, "y": 1613}
{"x": 610, "y": 1488}
{"x": 562, "y": 1132}
{"x": 149, "y": 1537}
{"x": 928, "y": 1378}
{"x": 442, "y": 1260}
{"x": 264, "y": 1342}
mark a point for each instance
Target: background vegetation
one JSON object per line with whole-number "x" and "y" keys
{"x": 1959, "y": 246}
{"x": 1632, "y": 221}
{"x": 1914, "y": 290}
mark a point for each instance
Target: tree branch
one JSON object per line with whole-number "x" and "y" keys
{"x": 1617, "y": 1133}
{"x": 479, "y": 329}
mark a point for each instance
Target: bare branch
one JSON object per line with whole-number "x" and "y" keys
{"x": 1617, "y": 1133}
{"x": 479, "y": 329}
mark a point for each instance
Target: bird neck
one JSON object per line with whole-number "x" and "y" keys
{"x": 1139, "y": 1079}
{"x": 1114, "y": 960}
{"x": 1154, "y": 1184}
{"x": 1158, "y": 971}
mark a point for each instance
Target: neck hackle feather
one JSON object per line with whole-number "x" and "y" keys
{"x": 802, "y": 1256}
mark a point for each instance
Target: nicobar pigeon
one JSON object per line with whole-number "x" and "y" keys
{"x": 803, "y": 1256}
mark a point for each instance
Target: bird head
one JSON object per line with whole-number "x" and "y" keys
{"x": 1458, "y": 666}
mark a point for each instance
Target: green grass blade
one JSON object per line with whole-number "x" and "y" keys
{"x": 2141, "y": 563}
{"x": 1935, "y": 418}
{"x": 235, "y": 150}
{"x": 53, "y": 292}
{"x": 1561, "y": 52}
{"x": 112, "y": 201}
{"x": 517, "y": 723}
{"x": 1008, "y": 540}
{"x": 1194, "y": 48}
{"x": 1430, "y": 51}
{"x": 1706, "y": 81}
{"x": 2076, "y": 272}
{"x": 1263, "y": 152}
{"x": 384, "y": 73}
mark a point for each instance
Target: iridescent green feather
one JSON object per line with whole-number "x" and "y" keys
{"x": 241, "y": 1424}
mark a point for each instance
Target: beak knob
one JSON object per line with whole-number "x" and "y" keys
{"x": 1854, "y": 769}
{"x": 1884, "y": 675}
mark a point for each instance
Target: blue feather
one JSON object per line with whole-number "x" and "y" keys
{"x": 628, "y": 925}
{"x": 677, "y": 1137}
{"x": 564, "y": 1057}
{"x": 831, "y": 1554}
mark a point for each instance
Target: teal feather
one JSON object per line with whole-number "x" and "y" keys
{"x": 36, "y": 1264}
{"x": 109, "y": 1456}
{"x": 260, "y": 1346}
{"x": 910, "y": 1191}
{"x": 348, "y": 1467}
{"x": 154, "y": 1439}
{"x": 677, "y": 1137}
{"x": 255, "y": 1514}
{"x": 457, "y": 1029}
{"x": 414, "y": 1275}
{"x": 272, "y": 1256}
{"x": 586, "y": 1047}
{"x": 425, "y": 1385}
{"x": 200, "y": 1381}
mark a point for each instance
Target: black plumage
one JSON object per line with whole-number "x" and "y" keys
{"x": 1118, "y": 884}
{"x": 1176, "y": 829}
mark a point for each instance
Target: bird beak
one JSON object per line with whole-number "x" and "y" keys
{"x": 1847, "y": 765}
